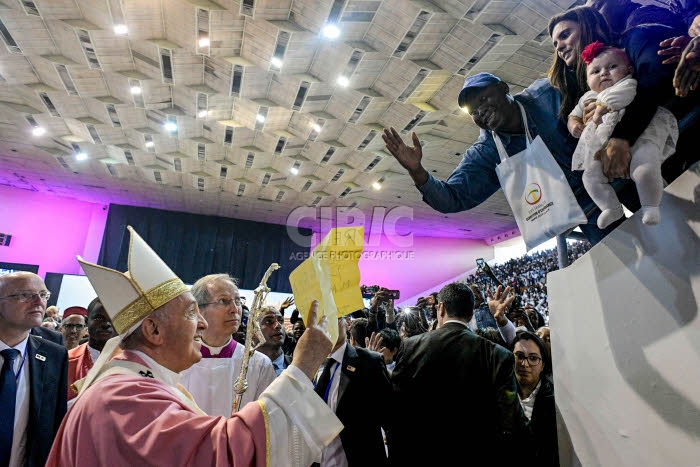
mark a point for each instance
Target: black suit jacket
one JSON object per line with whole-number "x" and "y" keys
{"x": 544, "y": 425}
{"x": 364, "y": 393}
{"x": 53, "y": 336}
{"x": 463, "y": 388}
{"x": 48, "y": 384}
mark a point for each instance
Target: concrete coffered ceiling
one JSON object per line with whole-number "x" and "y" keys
{"x": 250, "y": 90}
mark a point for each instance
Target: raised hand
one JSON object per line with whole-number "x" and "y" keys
{"x": 374, "y": 342}
{"x": 409, "y": 157}
{"x": 289, "y": 301}
{"x": 499, "y": 304}
{"x": 314, "y": 345}
{"x": 687, "y": 75}
{"x": 672, "y": 49}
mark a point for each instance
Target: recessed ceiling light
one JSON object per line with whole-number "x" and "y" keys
{"x": 170, "y": 126}
{"x": 331, "y": 31}
{"x": 343, "y": 81}
{"x": 202, "y": 114}
{"x": 377, "y": 186}
{"x": 81, "y": 156}
{"x": 204, "y": 42}
{"x": 260, "y": 118}
{"x": 135, "y": 89}
{"x": 150, "y": 144}
{"x": 294, "y": 171}
{"x": 38, "y": 131}
{"x": 120, "y": 29}
{"x": 276, "y": 62}
{"x": 316, "y": 127}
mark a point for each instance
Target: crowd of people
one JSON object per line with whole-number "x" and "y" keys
{"x": 150, "y": 372}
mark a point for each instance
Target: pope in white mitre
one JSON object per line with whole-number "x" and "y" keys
{"x": 132, "y": 410}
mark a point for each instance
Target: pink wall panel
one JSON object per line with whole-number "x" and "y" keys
{"x": 50, "y": 230}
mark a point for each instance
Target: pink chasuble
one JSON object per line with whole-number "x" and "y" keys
{"x": 125, "y": 419}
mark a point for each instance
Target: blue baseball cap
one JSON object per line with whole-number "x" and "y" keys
{"x": 477, "y": 81}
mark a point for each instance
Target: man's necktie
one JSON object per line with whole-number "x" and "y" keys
{"x": 8, "y": 394}
{"x": 325, "y": 379}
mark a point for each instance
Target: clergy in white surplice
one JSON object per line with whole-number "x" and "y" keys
{"x": 210, "y": 381}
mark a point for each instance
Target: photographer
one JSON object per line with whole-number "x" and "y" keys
{"x": 381, "y": 311}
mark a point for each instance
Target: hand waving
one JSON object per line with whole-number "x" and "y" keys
{"x": 687, "y": 75}
{"x": 499, "y": 304}
{"x": 409, "y": 157}
{"x": 289, "y": 301}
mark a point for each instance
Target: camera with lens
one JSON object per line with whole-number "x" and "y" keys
{"x": 368, "y": 291}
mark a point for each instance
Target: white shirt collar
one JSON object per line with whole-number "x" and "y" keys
{"x": 339, "y": 353}
{"x": 22, "y": 346}
{"x": 169, "y": 377}
{"x": 466, "y": 325}
{"x": 216, "y": 350}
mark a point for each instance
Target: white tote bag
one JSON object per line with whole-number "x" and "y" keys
{"x": 537, "y": 191}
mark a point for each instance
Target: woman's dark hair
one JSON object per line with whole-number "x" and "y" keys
{"x": 529, "y": 336}
{"x": 571, "y": 82}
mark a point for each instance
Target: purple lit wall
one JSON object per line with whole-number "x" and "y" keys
{"x": 50, "y": 230}
{"x": 416, "y": 268}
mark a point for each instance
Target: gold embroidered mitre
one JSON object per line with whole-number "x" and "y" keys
{"x": 130, "y": 297}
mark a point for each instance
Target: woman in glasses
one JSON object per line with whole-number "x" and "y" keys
{"x": 533, "y": 371}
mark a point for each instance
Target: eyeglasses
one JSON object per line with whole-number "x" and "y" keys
{"x": 26, "y": 297}
{"x": 533, "y": 360}
{"x": 75, "y": 327}
{"x": 224, "y": 302}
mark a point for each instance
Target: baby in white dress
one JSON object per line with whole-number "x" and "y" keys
{"x": 609, "y": 76}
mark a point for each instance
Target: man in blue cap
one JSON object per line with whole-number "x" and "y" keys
{"x": 487, "y": 99}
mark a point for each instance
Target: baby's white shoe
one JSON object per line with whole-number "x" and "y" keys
{"x": 651, "y": 215}
{"x": 609, "y": 216}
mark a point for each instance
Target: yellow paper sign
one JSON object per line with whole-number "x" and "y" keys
{"x": 331, "y": 276}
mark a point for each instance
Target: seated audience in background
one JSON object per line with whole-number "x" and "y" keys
{"x": 474, "y": 384}
{"x": 411, "y": 322}
{"x": 73, "y": 325}
{"x": 358, "y": 332}
{"x": 272, "y": 326}
{"x": 83, "y": 357}
{"x": 132, "y": 411}
{"x": 355, "y": 384}
{"x": 211, "y": 380}
{"x": 33, "y": 378}
{"x": 533, "y": 370}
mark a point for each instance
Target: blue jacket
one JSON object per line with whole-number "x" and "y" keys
{"x": 475, "y": 180}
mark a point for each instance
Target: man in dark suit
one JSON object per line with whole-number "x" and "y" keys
{"x": 33, "y": 378}
{"x": 450, "y": 377}
{"x": 355, "y": 383}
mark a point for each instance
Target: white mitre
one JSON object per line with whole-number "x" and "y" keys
{"x": 130, "y": 297}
